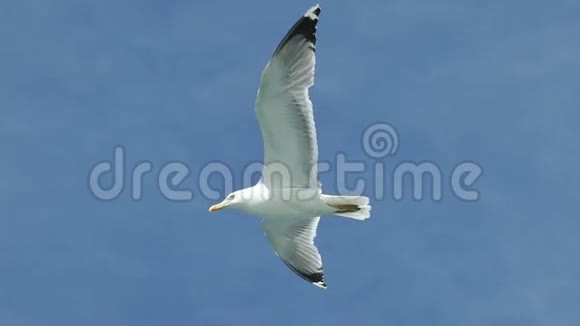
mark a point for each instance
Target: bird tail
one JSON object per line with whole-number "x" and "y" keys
{"x": 355, "y": 207}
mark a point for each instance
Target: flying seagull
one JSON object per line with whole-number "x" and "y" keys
{"x": 288, "y": 196}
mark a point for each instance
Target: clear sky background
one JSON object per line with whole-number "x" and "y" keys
{"x": 495, "y": 82}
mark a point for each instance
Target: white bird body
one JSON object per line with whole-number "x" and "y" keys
{"x": 288, "y": 197}
{"x": 273, "y": 204}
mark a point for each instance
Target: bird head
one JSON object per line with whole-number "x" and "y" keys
{"x": 231, "y": 200}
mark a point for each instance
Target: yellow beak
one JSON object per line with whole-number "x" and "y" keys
{"x": 217, "y": 207}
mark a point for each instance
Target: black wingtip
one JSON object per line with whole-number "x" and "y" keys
{"x": 321, "y": 285}
{"x": 317, "y": 278}
{"x": 314, "y": 10}
{"x": 305, "y": 26}
{"x": 314, "y": 278}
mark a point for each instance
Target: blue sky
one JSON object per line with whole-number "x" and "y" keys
{"x": 494, "y": 82}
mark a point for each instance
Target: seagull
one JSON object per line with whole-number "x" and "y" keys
{"x": 288, "y": 196}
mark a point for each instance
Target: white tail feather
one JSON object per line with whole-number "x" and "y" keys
{"x": 362, "y": 214}
{"x": 362, "y": 204}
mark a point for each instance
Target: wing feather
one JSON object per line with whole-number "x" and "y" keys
{"x": 284, "y": 109}
{"x": 293, "y": 242}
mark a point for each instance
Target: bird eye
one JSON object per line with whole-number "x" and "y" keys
{"x": 231, "y": 197}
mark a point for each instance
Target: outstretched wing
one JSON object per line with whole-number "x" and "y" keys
{"x": 293, "y": 242}
{"x": 284, "y": 108}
